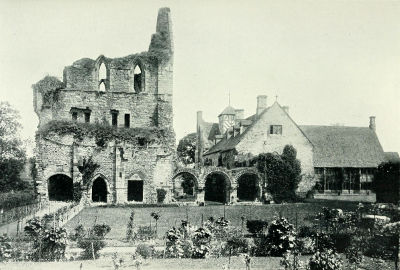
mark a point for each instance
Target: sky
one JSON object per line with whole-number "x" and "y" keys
{"x": 331, "y": 62}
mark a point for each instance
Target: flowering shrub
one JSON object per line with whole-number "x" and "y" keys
{"x": 201, "y": 241}
{"x": 174, "y": 244}
{"x": 145, "y": 250}
{"x": 327, "y": 260}
{"x": 91, "y": 240}
{"x": 48, "y": 243}
{"x": 188, "y": 242}
{"x": 281, "y": 237}
{"x": 219, "y": 228}
{"x": 292, "y": 262}
{"x": 306, "y": 245}
{"x": 6, "y": 250}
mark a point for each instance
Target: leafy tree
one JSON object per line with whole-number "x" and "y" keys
{"x": 12, "y": 153}
{"x": 386, "y": 182}
{"x": 187, "y": 149}
{"x": 281, "y": 172}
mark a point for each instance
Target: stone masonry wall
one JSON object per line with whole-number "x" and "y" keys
{"x": 258, "y": 140}
{"x": 120, "y": 161}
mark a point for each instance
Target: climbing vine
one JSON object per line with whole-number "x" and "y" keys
{"x": 87, "y": 170}
{"x": 50, "y": 88}
{"x": 103, "y": 133}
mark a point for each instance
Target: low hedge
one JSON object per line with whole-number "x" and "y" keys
{"x": 11, "y": 200}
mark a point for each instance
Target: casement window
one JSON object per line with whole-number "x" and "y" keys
{"x": 275, "y": 129}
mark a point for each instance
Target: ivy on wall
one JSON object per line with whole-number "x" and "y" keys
{"x": 103, "y": 133}
{"x": 49, "y": 87}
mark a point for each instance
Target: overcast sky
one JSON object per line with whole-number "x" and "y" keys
{"x": 331, "y": 62}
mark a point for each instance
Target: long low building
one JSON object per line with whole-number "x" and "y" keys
{"x": 337, "y": 162}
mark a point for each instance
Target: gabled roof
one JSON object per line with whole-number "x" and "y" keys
{"x": 228, "y": 110}
{"x": 339, "y": 146}
{"x": 392, "y": 156}
{"x": 229, "y": 144}
{"x": 209, "y": 131}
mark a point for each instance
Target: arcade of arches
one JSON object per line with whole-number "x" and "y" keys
{"x": 185, "y": 186}
{"x": 248, "y": 187}
{"x": 60, "y": 188}
{"x": 217, "y": 188}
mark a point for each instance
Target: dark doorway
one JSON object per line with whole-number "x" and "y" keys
{"x": 60, "y": 188}
{"x": 99, "y": 190}
{"x": 135, "y": 191}
{"x": 217, "y": 188}
{"x": 247, "y": 187}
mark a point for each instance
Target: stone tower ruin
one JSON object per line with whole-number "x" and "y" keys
{"x": 105, "y": 131}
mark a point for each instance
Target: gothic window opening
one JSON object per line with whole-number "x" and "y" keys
{"x": 102, "y": 77}
{"x": 137, "y": 79}
{"x": 102, "y": 87}
{"x": 127, "y": 120}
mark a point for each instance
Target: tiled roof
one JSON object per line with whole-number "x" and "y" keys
{"x": 392, "y": 156}
{"x": 339, "y": 146}
{"x": 228, "y": 110}
{"x": 209, "y": 130}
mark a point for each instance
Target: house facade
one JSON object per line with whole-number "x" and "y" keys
{"x": 337, "y": 162}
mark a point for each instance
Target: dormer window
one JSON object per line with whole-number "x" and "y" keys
{"x": 137, "y": 79}
{"x": 275, "y": 129}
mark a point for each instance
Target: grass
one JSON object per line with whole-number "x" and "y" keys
{"x": 264, "y": 263}
{"x": 117, "y": 217}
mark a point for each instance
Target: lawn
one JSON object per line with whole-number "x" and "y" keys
{"x": 264, "y": 263}
{"x": 117, "y": 216}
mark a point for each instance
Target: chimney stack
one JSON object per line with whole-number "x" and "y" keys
{"x": 286, "y": 109}
{"x": 261, "y": 104}
{"x": 239, "y": 114}
{"x": 372, "y": 124}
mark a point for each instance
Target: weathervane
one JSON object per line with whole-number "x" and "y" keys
{"x": 276, "y": 98}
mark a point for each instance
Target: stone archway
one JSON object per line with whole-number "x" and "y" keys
{"x": 217, "y": 187}
{"x": 248, "y": 187}
{"x": 185, "y": 185}
{"x": 60, "y": 188}
{"x": 99, "y": 190}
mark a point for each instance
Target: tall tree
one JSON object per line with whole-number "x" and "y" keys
{"x": 187, "y": 149}
{"x": 282, "y": 173}
{"x": 386, "y": 182}
{"x": 12, "y": 153}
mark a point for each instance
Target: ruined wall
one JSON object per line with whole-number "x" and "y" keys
{"x": 149, "y": 107}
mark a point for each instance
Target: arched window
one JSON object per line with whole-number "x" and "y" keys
{"x": 137, "y": 79}
{"x": 102, "y": 77}
{"x": 102, "y": 87}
